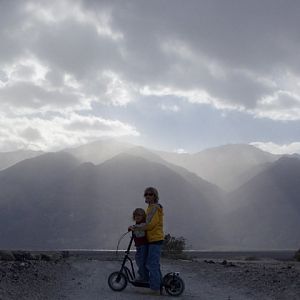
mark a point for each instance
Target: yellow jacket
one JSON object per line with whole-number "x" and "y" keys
{"x": 154, "y": 223}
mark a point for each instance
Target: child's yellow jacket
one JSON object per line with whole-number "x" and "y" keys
{"x": 154, "y": 223}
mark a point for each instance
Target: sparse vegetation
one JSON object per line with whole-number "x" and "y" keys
{"x": 251, "y": 258}
{"x": 173, "y": 247}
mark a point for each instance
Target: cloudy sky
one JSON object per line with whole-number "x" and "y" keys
{"x": 172, "y": 75}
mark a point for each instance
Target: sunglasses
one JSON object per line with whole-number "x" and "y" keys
{"x": 148, "y": 194}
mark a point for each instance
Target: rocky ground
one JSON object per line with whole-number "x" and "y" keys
{"x": 60, "y": 276}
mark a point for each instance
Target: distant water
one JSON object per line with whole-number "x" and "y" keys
{"x": 205, "y": 254}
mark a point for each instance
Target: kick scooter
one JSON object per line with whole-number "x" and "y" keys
{"x": 117, "y": 281}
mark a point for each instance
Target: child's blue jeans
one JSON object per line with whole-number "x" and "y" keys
{"x": 141, "y": 259}
{"x": 153, "y": 265}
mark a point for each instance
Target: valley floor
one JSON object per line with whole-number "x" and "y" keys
{"x": 85, "y": 278}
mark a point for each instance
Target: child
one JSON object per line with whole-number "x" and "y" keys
{"x": 141, "y": 244}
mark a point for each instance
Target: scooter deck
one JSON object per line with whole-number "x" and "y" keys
{"x": 140, "y": 284}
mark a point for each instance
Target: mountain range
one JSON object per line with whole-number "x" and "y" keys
{"x": 84, "y": 197}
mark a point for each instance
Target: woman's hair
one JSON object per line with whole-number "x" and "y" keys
{"x": 139, "y": 211}
{"x": 154, "y": 191}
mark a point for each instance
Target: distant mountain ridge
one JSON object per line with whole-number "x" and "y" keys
{"x": 226, "y": 166}
{"x": 84, "y": 197}
{"x": 8, "y": 159}
{"x": 98, "y": 151}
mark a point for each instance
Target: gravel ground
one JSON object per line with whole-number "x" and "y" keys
{"x": 86, "y": 278}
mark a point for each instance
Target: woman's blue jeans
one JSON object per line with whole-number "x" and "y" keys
{"x": 153, "y": 265}
{"x": 141, "y": 259}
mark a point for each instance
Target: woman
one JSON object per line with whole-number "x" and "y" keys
{"x": 155, "y": 237}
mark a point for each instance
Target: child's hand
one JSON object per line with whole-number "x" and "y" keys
{"x": 131, "y": 228}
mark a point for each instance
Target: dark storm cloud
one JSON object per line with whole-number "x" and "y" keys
{"x": 245, "y": 34}
{"x": 255, "y": 37}
{"x": 77, "y": 49}
{"x": 163, "y": 43}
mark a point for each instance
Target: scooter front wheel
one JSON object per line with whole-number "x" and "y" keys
{"x": 117, "y": 281}
{"x": 174, "y": 286}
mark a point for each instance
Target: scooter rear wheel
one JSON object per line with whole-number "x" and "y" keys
{"x": 174, "y": 286}
{"x": 117, "y": 281}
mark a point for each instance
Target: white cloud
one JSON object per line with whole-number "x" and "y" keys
{"x": 277, "y": 148}
{"x": 195, "y": 96}
{"x": 55, "y": 133}
{"x": 26, "y": 69}
{"x": 26, "y": 88}
{"x": 70, "y": 81}
{"x": 180, "y": 151}
{"x": 284, "y": 103}
{"x": 118, "y": 91}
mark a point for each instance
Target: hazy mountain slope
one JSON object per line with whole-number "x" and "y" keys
{"x": 99, "y": 151}
{"x": 8, "y": 159}
{"x": 226, "y": 166}
{"x": 29, "y": 201}
{"x": 89, "y": 206}
{"x": 266, "y": 210}
{"x": 104, "y": 150}
{"x": 119, "y": 185}
{"x": 252, "y": 172}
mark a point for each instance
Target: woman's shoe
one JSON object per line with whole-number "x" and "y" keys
{"x": 155, "y": 292}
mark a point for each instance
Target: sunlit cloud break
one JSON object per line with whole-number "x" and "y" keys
{"x": 278, "y": 149}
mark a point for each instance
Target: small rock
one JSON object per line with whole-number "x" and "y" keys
{"x": 45, "y": 257}
{"x": 3, "y": 274}
{"x": 209, "y": 261}
{"x": 15, "y": 277}
{"x": 230, "y": 264}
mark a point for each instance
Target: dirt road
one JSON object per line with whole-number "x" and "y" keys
{"x": 86, "y": 279}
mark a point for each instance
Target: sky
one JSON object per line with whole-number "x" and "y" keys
{"x": 171, "y": 75}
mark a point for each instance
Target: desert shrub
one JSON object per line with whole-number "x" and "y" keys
{"x": 65, "y": 254}
{"x": 297, "y": 255}
{"x": 173, "y": 246}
